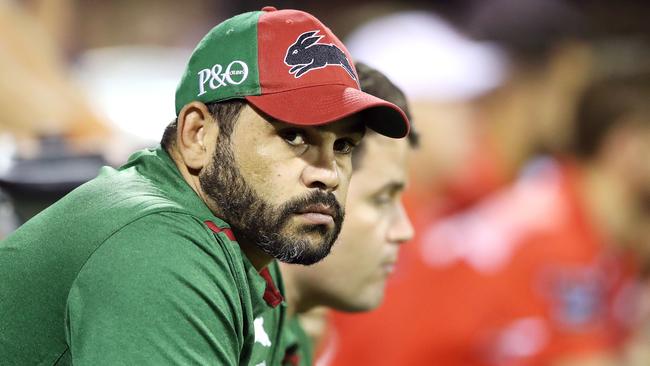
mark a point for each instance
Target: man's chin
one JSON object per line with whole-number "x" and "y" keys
{"x": 300, "y": 242}
{"x": 305, "y": 260}
{"x": 313, "y": 234}
{"x": 304, "y": 251}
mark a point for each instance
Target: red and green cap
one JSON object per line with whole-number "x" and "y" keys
{"x": 287, "y": 64}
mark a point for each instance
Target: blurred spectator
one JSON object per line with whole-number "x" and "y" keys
{"x": 563, "y": 287}
{"x": 612, "y": 150}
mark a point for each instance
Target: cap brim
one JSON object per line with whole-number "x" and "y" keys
{"x": 320, "y": 105}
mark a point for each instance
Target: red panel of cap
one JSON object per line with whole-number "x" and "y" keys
{"x": 277, "y": 32}
{"x": 307, "y": 77}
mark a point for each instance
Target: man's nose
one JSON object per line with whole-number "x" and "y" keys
{"x": 402, "y": 229}
{"x": 322, "y": 171}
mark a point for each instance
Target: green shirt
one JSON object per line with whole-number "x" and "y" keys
{"x": 132, "y": 268}
{"x": 298, "y": 346}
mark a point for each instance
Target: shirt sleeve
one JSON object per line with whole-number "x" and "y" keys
{"x": 158, "y": 292}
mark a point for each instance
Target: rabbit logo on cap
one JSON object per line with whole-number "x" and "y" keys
{"x": 306, "y": 55}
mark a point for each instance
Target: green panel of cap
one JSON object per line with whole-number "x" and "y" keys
{"x": 224, "y": 64}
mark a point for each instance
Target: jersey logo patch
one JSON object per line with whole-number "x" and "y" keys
{"x": 305, "y": 55}
{"x": 260, "y": 334}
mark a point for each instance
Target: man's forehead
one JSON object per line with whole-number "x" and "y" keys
{"x": 377, "y": 183}
{"x": 386, "y": 149}
{"x": 384, "y": 161}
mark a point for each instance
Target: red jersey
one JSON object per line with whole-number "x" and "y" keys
{"x": 519, "y": 279}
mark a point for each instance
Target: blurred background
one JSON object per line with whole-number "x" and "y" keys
{"x": 530, "y": 192}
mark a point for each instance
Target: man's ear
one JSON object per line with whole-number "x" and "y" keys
{"x": 194, "y": 122}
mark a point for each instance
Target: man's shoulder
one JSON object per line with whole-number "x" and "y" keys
{"x": 168, "y": 278}
{"x": 165, "y": 254}
{"x": 177, "y": 237}
{"x": 128, "y": 189}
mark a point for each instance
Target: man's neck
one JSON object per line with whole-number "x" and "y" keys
{"x": 190, "y": 177}
{"x": 297, "y": 300}
{"x": 255, "y": 255}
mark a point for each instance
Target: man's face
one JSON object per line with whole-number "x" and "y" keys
{"x": 282, "y": 187}
{"x": 353, "y": 277}
{"x": 640, "y": 147}
{"x": 636, "y": 153}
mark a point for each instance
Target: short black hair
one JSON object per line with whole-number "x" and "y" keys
{"x": 376, "y": 83}
{"x": 606, "y": 104}
{"x": 224, "y": 112}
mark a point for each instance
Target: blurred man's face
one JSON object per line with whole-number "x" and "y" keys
{"x": 627, "y": 149}
{"x": 641, "y": 164}
{"x": 639, "y": 168}
{"x": 282, "y": 187}
{"x": 630, "y": 146}
{"x": 353, "y": 276}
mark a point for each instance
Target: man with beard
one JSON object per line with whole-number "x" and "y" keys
{"x": 169, "y": 259}
{"x": 353, "y": 277}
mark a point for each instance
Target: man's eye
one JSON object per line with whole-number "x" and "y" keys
{"x": 388, "y": 199}
{"x": 344, "y": 146}
{"x": 293, "y": 138}
{"x": 382, "y": 199}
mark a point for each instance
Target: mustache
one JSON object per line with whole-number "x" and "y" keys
{"x": 314, "y": 198}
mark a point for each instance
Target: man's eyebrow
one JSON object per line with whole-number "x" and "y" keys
{"x": 393, "y": 186}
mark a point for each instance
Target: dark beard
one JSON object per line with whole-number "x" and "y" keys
{"x": 255, "y": 221}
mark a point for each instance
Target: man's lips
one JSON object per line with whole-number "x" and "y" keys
{"x": 388, "y": 265}
{"x": 318, "y": 214}
{"x": 319, "y": 209}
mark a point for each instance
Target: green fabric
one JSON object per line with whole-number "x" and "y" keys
{"x": 296, "y": 342}
{"x": 224, "y": 64}
{"x": 123, "y": 270}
